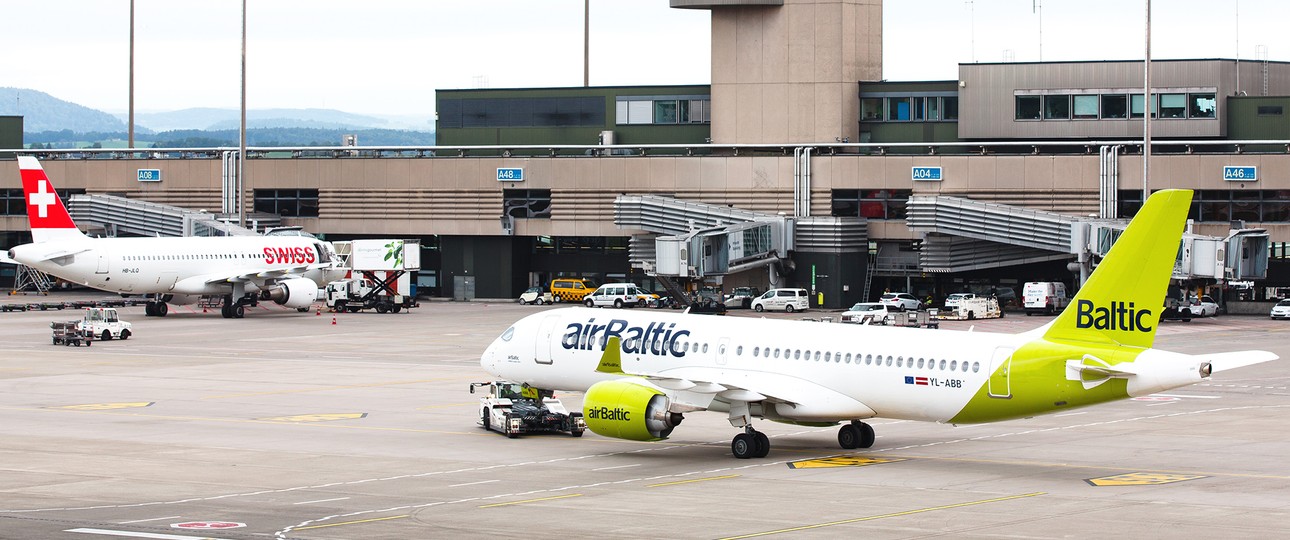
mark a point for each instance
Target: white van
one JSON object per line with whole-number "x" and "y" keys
{"x": 789, "y": 300}
{"x": 614, "y": 294}
{"x": 1046, "y": 297}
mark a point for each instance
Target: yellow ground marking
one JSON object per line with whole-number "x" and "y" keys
{"x": 350, "y": 522}
{"x": 316, "y": 417}
{"x": 326, "y": 388}
{"x": 840, "y": 461}
{"x": 530, "y": 500}
{"x": 693, "y": 480}
{"x": 884, "y": 516}
{"x": 105, "y": 406}
{"x": 1142, "y": 479}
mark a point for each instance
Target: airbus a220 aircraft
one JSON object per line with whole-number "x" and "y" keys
{"x": 287, "y": 270}
{"x": 642, "y": 371}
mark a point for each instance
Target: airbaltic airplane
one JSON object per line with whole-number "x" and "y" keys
{"x": 642, "y": 371}
{"x": 243, "y": 269}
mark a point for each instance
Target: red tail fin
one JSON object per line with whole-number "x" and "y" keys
{"x": 46, "y": 214}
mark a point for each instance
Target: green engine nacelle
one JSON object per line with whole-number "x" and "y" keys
{"x": 628, "y": 410}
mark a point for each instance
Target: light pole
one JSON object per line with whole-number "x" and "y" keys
{"x": 241, "y": 135}
{"x": 1146, "y": 113}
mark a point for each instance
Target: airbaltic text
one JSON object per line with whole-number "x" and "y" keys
{"x": 657, "y": 338}
{"x": 1117, "y": 317}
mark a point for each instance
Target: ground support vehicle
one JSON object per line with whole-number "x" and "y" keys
{"x": 514, "y": 409}
{"x": 69, "y": 333}
{"x": 974, "y": 308}
{"x": 104, "y": 324}
{"x": 742, "y": 297}
{"x": 1047, "y": 297}
{"x": 372, "y": 291}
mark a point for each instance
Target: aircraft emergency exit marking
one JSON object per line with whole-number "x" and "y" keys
{"x": 42, "y": 198}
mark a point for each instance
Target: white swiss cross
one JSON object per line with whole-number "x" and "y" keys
{"x": 42, "y": 198}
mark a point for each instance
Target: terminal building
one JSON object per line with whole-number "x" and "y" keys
{"x": 799, "y": 165}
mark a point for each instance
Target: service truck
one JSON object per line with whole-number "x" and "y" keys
{"x": 513, "y": 408}
{"x": 379, "y": 278}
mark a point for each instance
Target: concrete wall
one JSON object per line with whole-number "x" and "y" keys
{"x": 788, "y": 73}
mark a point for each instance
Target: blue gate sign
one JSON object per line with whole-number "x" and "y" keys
{"x": 149, "y": 175}
{"x": 514, "y": 174}
{"x": 927, "y": 174}
{"x": 1241, "y": 174}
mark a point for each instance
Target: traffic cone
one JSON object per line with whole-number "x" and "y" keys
{"x": 319, "y": 312}
{"x": 333, "y": 319}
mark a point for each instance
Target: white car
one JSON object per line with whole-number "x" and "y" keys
{"x": 900, "y": 301}
{"x": 866, "y": 313}
{"x": 1205, "y": 307}
{"x": 789, "y": 300}
{"x": 615, "y": 294}
{"x": 1281, "y": 310}
{"x": 536, "y": 295}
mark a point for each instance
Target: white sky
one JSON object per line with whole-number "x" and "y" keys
{"x": 388, "y": 56}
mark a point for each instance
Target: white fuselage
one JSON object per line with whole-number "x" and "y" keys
{"x": 907, "y": 373}
{"x": 181, "y": 266}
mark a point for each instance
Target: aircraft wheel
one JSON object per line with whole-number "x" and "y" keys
{"x": 866, "y": 434}
{"x": 743, "y": 446}
{"x": 238, "y": 311}
{"x": 763, "y": 444}
{"x": 162, "y": 309}
{"x": 849, "y": 437}
{"x": 107, "y": 336}
{"x": 149, "y": 310}
{"x": 226, "y": 311}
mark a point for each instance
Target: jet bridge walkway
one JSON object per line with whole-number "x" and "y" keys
{"x": 131, "y": 217}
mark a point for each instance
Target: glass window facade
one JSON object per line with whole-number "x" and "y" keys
{"x": 913, "y": 108}
{"x": 1115, "y": 106}
{"x": 656, "y": 110}
{"x": 1254, "y": 206}
{"x": 522, "y": 112}
{"x": 871, "y": 203}
{"x": 287, "y": 202}
{"x": 526, "y": 203}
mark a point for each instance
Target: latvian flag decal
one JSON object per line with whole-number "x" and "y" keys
{"x": 920, "y": 381}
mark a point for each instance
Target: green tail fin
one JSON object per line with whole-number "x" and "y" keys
{"x": 1121, "y": 301}
{"x": 612, "y": 360}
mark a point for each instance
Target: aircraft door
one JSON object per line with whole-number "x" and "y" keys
{"x": 546, "y": 338}
{"x": 723, "y": 345}
{"x": 103, "y": 265}
{"x": 1000, "y": 385}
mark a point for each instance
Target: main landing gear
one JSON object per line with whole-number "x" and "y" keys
{"x": 232, "y": 309}
{"x": 155, "y": 308}
{"x": 857, "y": 434}
{"x": 750, "y": 444}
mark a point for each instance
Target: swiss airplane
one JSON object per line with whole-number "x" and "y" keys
{"x": 287, "y": 270}
{"x": 642, "y": 371}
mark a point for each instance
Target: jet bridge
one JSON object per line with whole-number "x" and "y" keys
{"x": 125, "y": 216}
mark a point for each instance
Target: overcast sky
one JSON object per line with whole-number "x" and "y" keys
{"x": 388, "y": 56}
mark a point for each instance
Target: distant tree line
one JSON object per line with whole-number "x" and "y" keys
{"x": 197, "y": 138}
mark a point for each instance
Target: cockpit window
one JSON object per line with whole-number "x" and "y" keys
{"x": 506, "y": 336}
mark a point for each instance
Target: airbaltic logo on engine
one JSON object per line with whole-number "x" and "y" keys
{"x": 605, "y": 413}
{"x": 656, "y": 338}
{"x": 1117, "y": 317}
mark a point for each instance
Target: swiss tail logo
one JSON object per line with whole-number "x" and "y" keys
{"x": 46, "y": 214}
{"x": 1121, "y": 303}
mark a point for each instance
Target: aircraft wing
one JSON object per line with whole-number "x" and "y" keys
{"x": 263, "y": 275}
{"x": 797, "y": 398}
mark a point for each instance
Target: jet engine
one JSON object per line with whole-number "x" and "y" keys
{"x": 180, "y": 299}
{"x": 294, "y": 293}
{"x": 626, "y": 409}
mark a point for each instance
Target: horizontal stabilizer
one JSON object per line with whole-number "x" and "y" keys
{"x": 1232, "y": 360}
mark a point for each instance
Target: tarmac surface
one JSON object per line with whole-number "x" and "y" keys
{"x": 285, "y": 425}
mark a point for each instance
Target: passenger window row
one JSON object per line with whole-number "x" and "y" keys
{"x": 867, "y": 359}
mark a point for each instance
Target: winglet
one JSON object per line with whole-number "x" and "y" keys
{"x": 612, "y": 360}
{"x": 1121, "y": 301}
